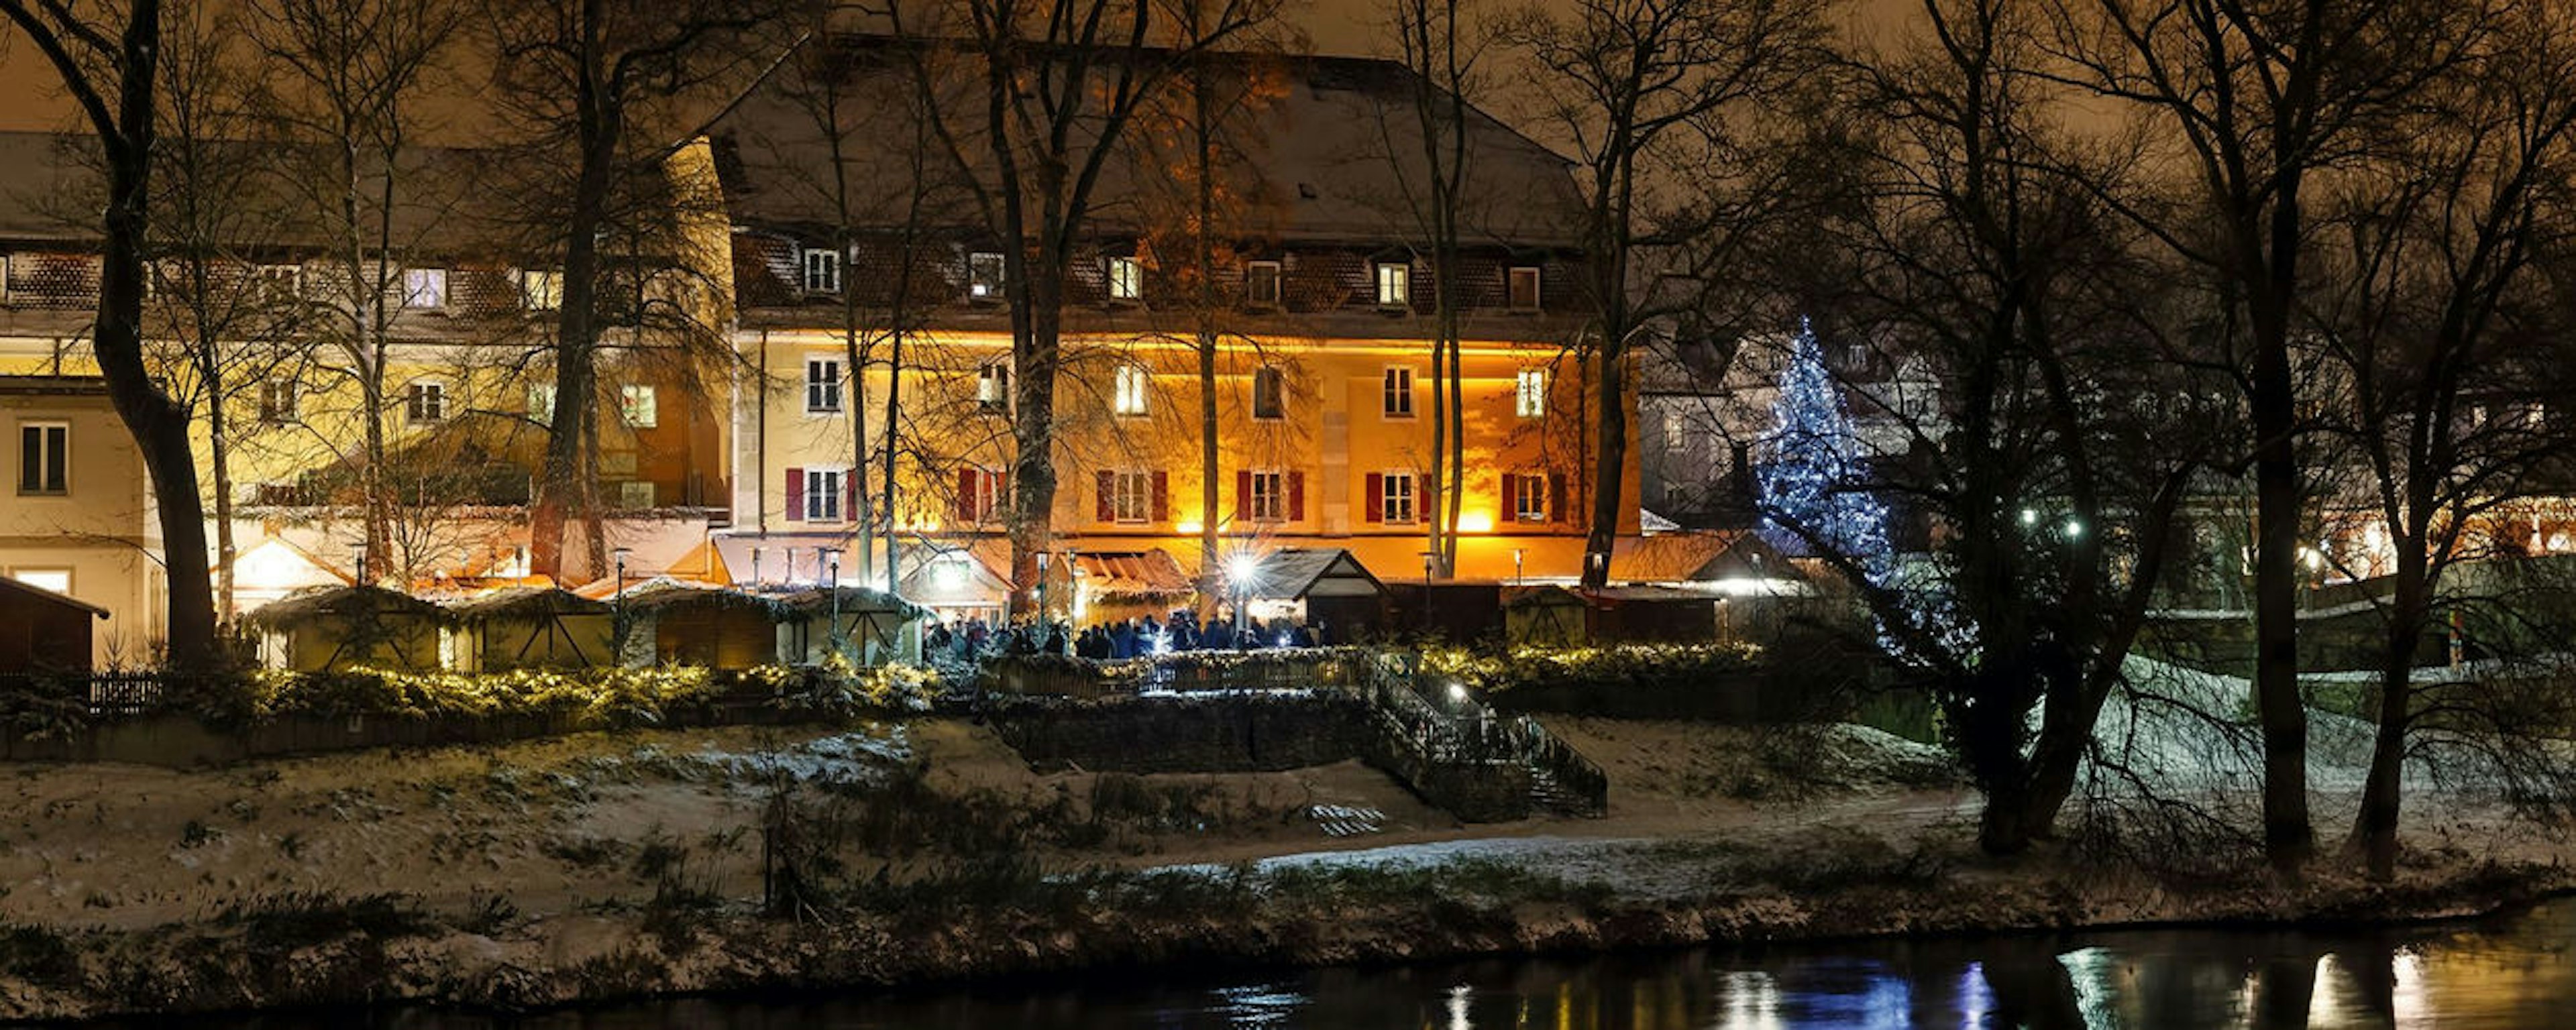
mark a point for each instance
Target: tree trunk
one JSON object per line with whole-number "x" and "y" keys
{"x": 571, "y": 464}
{"x": 2287, "y": 836}
{"x": 2374, "y": 831}
{"x": 1035, "y": 354}
{"x": 1609, "y": 457}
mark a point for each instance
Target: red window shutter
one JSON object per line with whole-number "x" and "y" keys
{"x": 1376, "y": 494}
{"x": 1556, "y": 497}
{"x": 966, "y": 494}
{"x": 1001, "y": 480}
{"x": 850, "y": 496}
{"x": 1107, "y": 508}
{"x": 1511, "y": 497}
{"x": 795, "y": 495}
{"x": 1296, "y": 497}
{"x": 1162, "y": 498}
{"x": 1243, "y": 495}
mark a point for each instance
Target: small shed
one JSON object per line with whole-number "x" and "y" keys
{"x": 345, "y": 627}
{"x": 955, "y": 584}
{"x": 1458, "y": 610}
{"x": 534, "y": 627}
{"x": 42, "y": 631}
{"x": 879, "y": 626}
{"x": 1546, "y": 616}
{"x": 1112, "y": 586}
{"x": 672, "y": 622}
{"x": 1649, "y": 614}
{"x": 1326, "y": 588}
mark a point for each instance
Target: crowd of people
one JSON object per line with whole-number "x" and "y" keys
{"x": 1138, "y": 637}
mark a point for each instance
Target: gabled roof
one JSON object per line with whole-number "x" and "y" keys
{"x": 526, "y": 602}
{"x": 360, "y": 600}
{"x": 1294, "y": 572}
{"x": 1150, "y": 573}
{"x": 50, "y": 597}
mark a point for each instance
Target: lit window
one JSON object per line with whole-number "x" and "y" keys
{"x": 1132, "y": 383}
{"x": 1528, "y": 496}
{"x": 425, "y": 402}
{"x": 1394, "y": 285}
{"x": 1395, "y": 497}
{"x": 822, "y": 495}
{"x": 1131, "y": 497}
{"x": 979, "y": 492}
{"x": 424, "y": 287}
{"x": 1267, "y": 387}
{"x": 277, "y": 401}
{"x": 1399, "y": 393}
{"x": 984, "y": 276}
{"x": 993, "y": 385}
{"x": 822, "y": 271}
{"x": 1529, "y": 393}
{"x": 56, "y": 580}
{"x": 1126, "y": 279}
{"x": 636, "y": 404}
{"x": 1269, "y": 500}
{"x": 540, "y": 290}
{"x": 1524, "y": 289}
{"x": 1261, "y": 284}
{"x": 44, "y": 456}
{"x": 822, "y": 385}
{"x": 541, "y": 402}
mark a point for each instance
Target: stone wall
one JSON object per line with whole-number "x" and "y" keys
{"x": 1222, "y": 733}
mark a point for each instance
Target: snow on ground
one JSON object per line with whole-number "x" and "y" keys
{"x": 2180, "y": 729}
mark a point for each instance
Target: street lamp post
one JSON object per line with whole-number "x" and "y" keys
{"x": 830, "y": 562}
{"x": 1239, "y": 572}
{"x": 1517, "y": 554}
{"x": 618, "y": 620}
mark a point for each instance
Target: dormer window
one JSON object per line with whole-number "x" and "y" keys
{"x": 984, "y": 276}
{"x": 822, "y": 271}
{"x": 1126, "y": 279}
{"x": 1261, "y": 284}
{"x": 1394, "y": 284}
{"x": 1523, "y": 291}
{"x": 424, "y": 288}
{"x": 540, "y": 289}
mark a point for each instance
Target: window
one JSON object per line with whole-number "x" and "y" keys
{"x": 541, "y": 402}
{"x": 984, "y": 276}
{"x": 1267, "y": 386}
{"x": 56, "y": 580}
{"x": 425, "y": 402}
{"x": 1399, "y": 392}
{"x": 424, "y": 287}
{"x": 822, "y": 384}
{"x": 822, "y": 271}
{"x": 277, "y": 401}
{"x": 1525, "y": 494}
{"x": 1394, "y": 285}
{"x": 1131, "y": 497}
{"x": 284, "y": 280}
{"x": 44, "y": 455}
{"x": 1523, "y": 292}
{"x": 540, "y": 290}
{"x": 979, "y": 493}
{"x": 823, "y": 495}
{"x": 636, "y": 404}
{"x": 993, "y": 385}
{"x": 1126, "y": 279}
{"x": 1267, "y": 496}
{"x": 1132, "y": 383}
{"x": 1261, "y": 284}
{"x": 1395, "y": 497}
{"x": 1529, "y": 393}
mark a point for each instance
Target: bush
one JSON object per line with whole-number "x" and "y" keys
{"x": 1651, "y": 666}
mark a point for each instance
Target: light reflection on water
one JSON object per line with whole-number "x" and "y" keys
{"x": 2516, "y": 972}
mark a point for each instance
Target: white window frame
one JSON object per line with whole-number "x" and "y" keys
{"x": 1529, "y": 393}
{"x": 1531, "y": 497}
{"x": 822, "y": 386}
{"x": 981, "y": 286}
{"x": 1511, "y": 287}
{"x": 1131, "y": 497}
{"x": 1278, "y": 284}
{"x": 424, "y": 289}
{"x": 277, "y": 397}
{"x": 541, "y": 289}
{"x": 52, "y": 475}
{"x": 823, "y": 489}
{"x": 424, "y": 401}
{"x": 993, "y": 384}
{"x": 1269, "y": 496}
{"x": 1126, "y": 278}
{"x": 541, "y": 402}
{"x": 639, "y": 405}
{"x": 1133, "y": 390}
{"x": 1396, "y": 392}
{"x": 822, "y": 268}
{"x": 1397, "y": 507}
{"x": 1394, "y": 284}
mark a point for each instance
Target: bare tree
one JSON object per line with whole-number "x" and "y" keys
{"x": 1441, "y": 42}
{"x": 1649, "y": 93}
{"x": 1060, "y": 84}
{"x": 2257, "y": 100}
{"x": 107, "y": 56}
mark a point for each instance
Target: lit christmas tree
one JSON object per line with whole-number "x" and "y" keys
{"x": 1812, "y": 474}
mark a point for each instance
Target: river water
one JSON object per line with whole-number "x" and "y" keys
{"x": 2511, "y": 971}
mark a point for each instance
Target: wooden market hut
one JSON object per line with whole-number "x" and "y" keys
{"x": 1546, "y": 616}
{"x": 879, "y": 626}
{"x": 44, "y": 631}
{"x": 345, "y": 627}
{"x": 669, "y": 622}
{"x": 1334, "y": 592}
{"x": 1119, "y": 585}
{"x": 534, "y": 627}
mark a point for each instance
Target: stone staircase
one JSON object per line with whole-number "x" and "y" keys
{"x": 1482, "y": 765}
